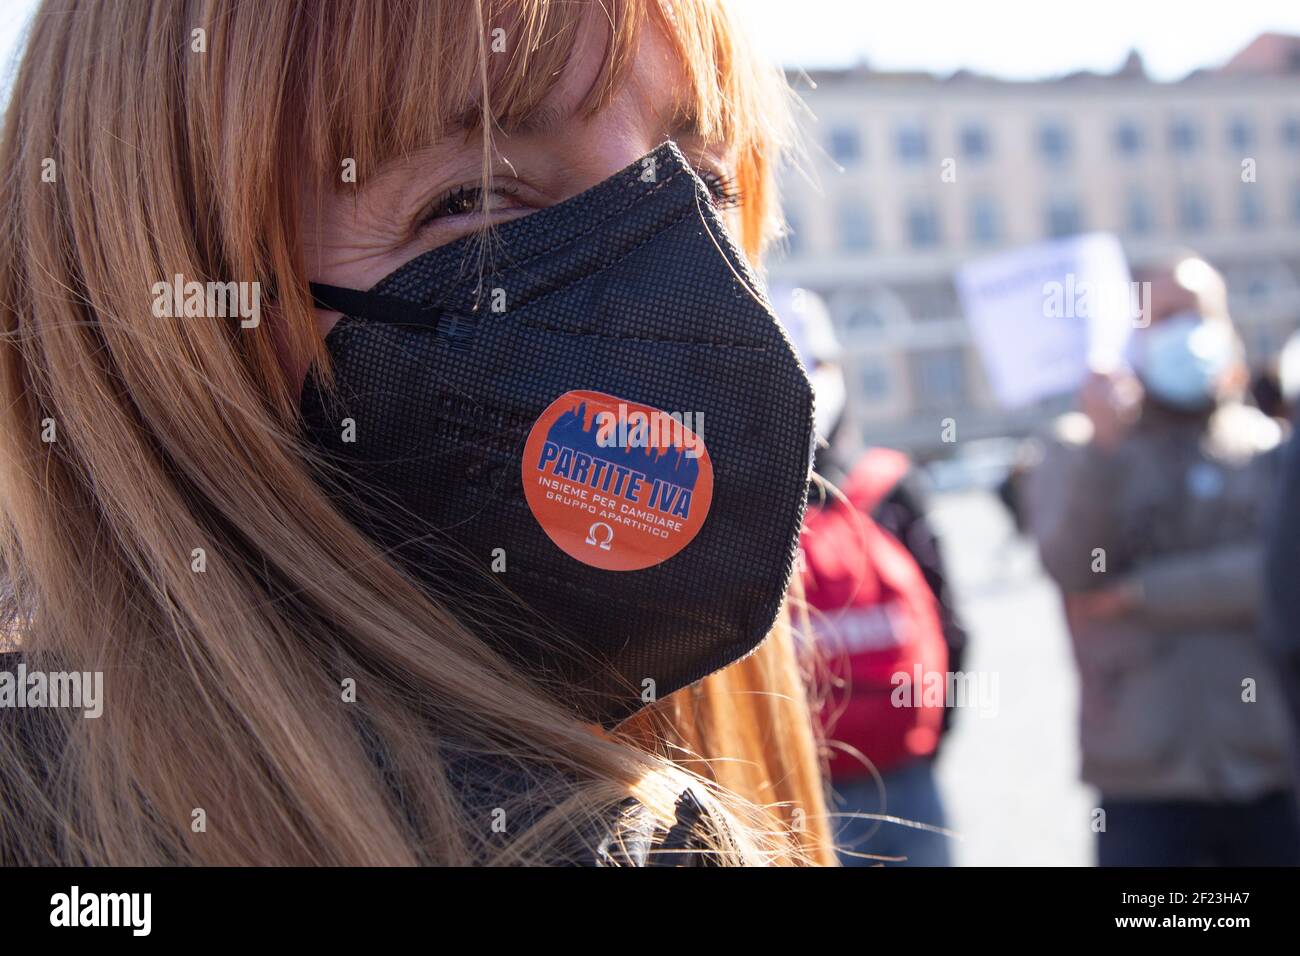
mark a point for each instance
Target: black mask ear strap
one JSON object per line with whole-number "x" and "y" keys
{"x": 377, "y": 308}
{"x": 458, "y": 330}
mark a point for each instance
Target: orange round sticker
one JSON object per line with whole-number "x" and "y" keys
{"x": 616, "y": 484}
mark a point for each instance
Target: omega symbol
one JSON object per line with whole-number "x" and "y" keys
{"x": 603, "y": 537}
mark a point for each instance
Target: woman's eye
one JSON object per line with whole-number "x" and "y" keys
{"x": 723, "y": 189}
{"x": 474, "y": 200}
{"x": 466, "y": 201}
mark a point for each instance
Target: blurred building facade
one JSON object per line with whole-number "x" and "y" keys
{"x": 908, "y": 175}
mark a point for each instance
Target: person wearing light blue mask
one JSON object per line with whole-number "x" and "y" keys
{"x": 1149, "y": 508}
{"x": 1184, "y": 360}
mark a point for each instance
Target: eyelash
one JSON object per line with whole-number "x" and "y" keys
{"x": 722, "y": 188}
{"x": 469, "y": 196}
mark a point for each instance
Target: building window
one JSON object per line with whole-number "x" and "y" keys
{"x": 846, "y": 145}
{"x": 1054, "y": 142}
{"x": 928, "y": 301}
{"x": 1183, "y": 136}
{"x": 985, "y": 224}
{"x": 873, "y": 380}
{"x": 1063, "y": 218}
{"x": 1241, "y": 134}
{"x": 940, "y": 378}
{"x": 1193, "y": 216}
{"x": 913, "y": 143}
{"x": 922, "y": 224}
{"x": 1128, "y": 138}
{"x": 862, "y": 315}
{"x": 974, "y": 140}
{"x": 1259, "y": 289}
{"x": 1250, "y": 211}
{"x": 1140, "y": 217}
{"x": 863, "y": 320}
{"x": 854, "y": 227}
{"x": 1291, "y": 132}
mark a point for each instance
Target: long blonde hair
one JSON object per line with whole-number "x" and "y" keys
{"x": 137, "y": 450}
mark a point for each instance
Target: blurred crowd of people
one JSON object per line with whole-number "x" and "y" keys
{"x": 1166, "y": 508}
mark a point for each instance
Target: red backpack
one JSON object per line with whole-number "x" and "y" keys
{"x": 874, "y": 621}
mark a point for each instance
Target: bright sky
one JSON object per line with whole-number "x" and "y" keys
{"x": 1012, "y": 38}
{"x": 1019, "y": 39}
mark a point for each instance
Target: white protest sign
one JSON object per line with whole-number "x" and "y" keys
{"x": 1044, "y": 315}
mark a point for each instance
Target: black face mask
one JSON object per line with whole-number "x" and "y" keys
{"x": 588, "y": 436}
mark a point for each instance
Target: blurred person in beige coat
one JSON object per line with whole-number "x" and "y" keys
{"x": 1149, "y": 509}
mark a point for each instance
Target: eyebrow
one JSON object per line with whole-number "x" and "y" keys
{"x": 548, "y": 118}
{"x": 685, "y": 122}
{"x": 540, "y": 120}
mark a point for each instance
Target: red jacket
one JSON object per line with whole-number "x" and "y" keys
{"x": 875, "y": 623}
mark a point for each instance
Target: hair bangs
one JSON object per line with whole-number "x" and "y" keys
{"x": 381, "y": 81}
{"x": 377, "y": 82}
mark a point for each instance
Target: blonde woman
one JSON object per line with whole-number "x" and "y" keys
{"x": 298, "y": 300}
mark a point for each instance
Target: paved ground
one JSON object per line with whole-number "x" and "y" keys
{"x": 1010, "y": 778}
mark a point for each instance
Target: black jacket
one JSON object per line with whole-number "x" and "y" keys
{"x": 1282, "y": 595}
